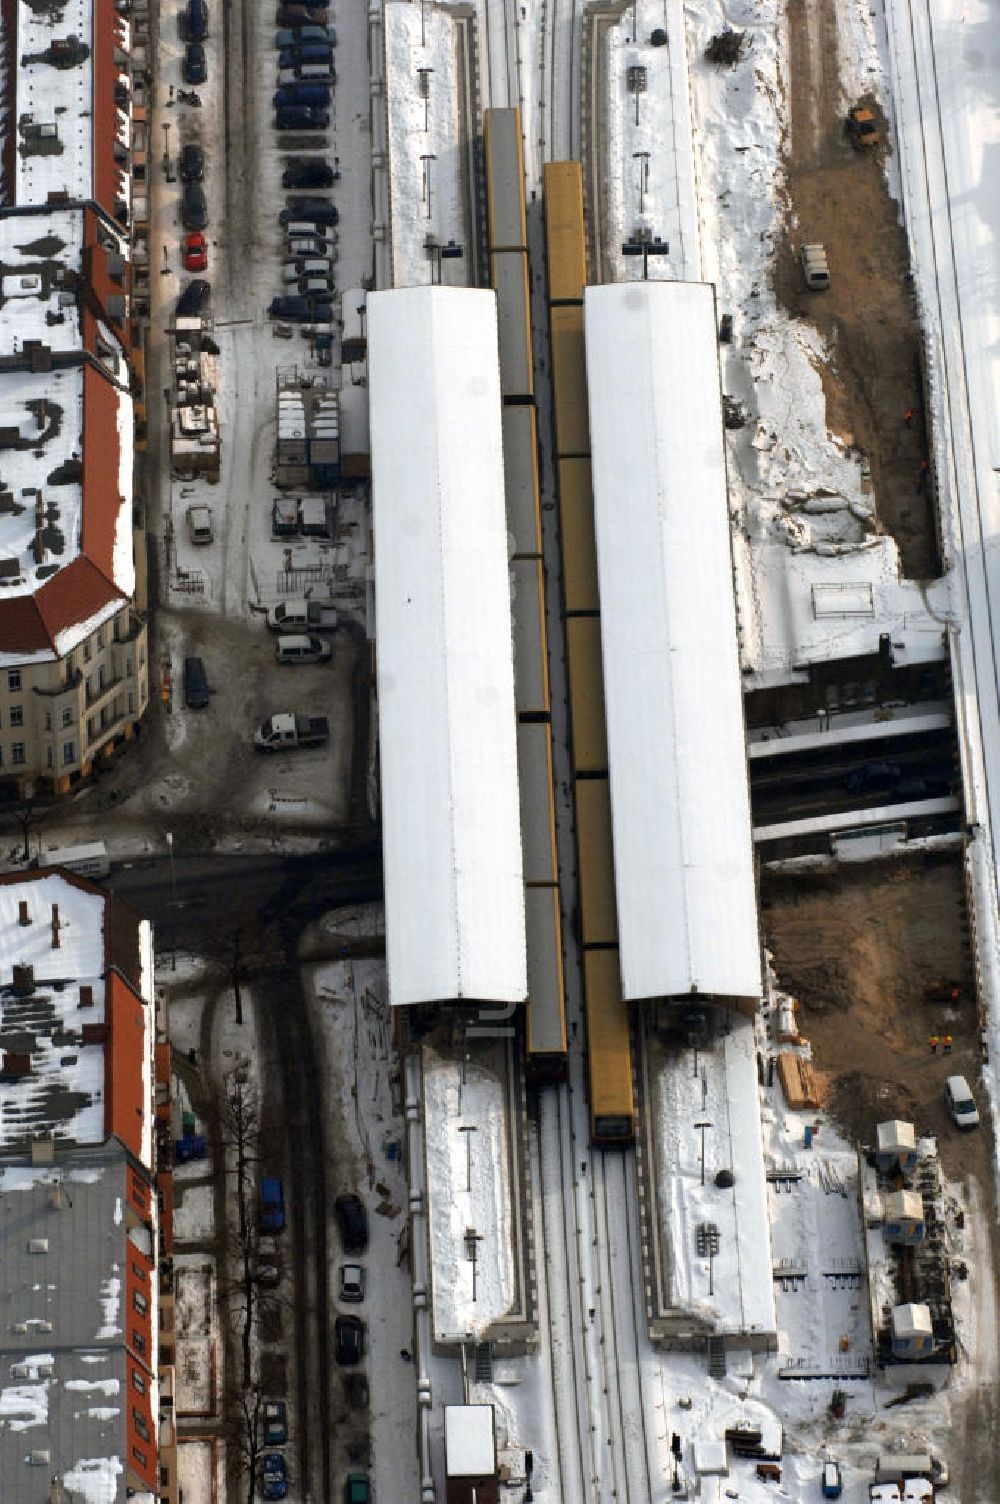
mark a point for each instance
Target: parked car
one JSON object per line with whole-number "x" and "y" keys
{"x": 349, "y": 1333}
{"x": 815, "y": 267}
{"x": 300, "y": 310}
{"x": 961, "y": 1103}
{"x": 193, "y": 299}
{"x": 315, "y": 287}
{"x": 273, "y": 1476}
{"x": 356, "y": 1390}
{"x": 301, "y": 117}
{"x": 352, "y": 1282}
{"x": 308, "y": 172}
{"x": 307, "y": 52}
{"x": 306, "y": 266}
{"x": 302, "y": 649}
{"x": 307, "y": 73}
{"x": 199, "y": 524}
{"x": 293, "y": 36}
{"x": 196, "y": 691}
{"x": 194, "y": 251}
{"x": 192, "y": 163}
{"x": 275, "y": 1423}
{"x": 194, "y": 67}
{"x": 194, "y": 21}
{"x": 194, "y": 207}
{"x": 357, "y": 1489}
{"x": 295, "y": 14}
{"x": 294, "y": 95}
{"x": 320, "y": 210}
{"x": 833, "y": 1482}
{"x": 301, "y": 246}
{"x": 352, "y": 1219}
{"x": 271, "y": 1217}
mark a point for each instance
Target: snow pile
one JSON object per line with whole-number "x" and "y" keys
{"x": 469, "y": 1193}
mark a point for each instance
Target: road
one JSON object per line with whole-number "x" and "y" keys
{"x": 191, "y": 896}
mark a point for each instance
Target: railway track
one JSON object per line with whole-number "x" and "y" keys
{"x": 926, "y": 169}
{"x": 622, "y": 1319}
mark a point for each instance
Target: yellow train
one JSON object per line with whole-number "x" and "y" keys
{"x": 609, "y": 1043}
{"x": 508, "y": 240}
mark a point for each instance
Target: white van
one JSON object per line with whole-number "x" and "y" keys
{"x": 815, "y": 268}
{"x": 199, "y": 524}
{"x": 89, "y": 860}
{"x": 302, "y": 649}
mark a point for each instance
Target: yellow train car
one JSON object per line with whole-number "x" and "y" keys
{"x": 588, "y": 731}
{"x": 546, "y": 984}
{"x": 538, "y": 818}
{"x": 609, "y": 1051}
{"x": 504, "y": 149}
{"x": 579, "y": 550}
{"x": 531, "y": 641}
{"x": 595, "y": 859}
{"x": 520, "y": 478}
{"x": 569, "y": 380}
{"x": 510, "y": 279}
{"x": 562, "y": 186}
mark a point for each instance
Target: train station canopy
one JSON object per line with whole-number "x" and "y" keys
{"x": 683, "y": 854}
{"x": 454, "y": 894}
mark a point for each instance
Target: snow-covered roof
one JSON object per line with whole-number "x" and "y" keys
{"x": 56, "y": 289}
{"x": 64, "y": 1383}
{"x": 469, "y": 1441}
{"x": 447, "y": 725}
{"x": 69, "y": 121}
{"x": 66, "y": 559}
{"x": 911, "y": 1320}
{"x": 687, "y": 912}
{"x": 67, "y": 1030}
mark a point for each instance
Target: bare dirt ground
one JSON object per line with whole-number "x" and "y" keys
{"x": 838, "y": 196}
{"x": 856, "y": 948}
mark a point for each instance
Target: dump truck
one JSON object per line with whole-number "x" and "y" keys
{"x": 862, "y": 127}
{"x": 287, "y": 729}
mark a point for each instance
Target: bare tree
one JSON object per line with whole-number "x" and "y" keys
{"x": 244, "y": 1434}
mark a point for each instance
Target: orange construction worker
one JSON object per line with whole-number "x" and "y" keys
{"x": 946, "y": 1045}
{"x": 908, "y": 417}
{"x": 933, "y": 1044}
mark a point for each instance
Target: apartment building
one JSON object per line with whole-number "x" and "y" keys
{"x": 74, "y": 676}
{"x": 85, "y": 1400}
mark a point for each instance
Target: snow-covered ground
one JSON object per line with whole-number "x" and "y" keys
{"x": 351, "y": 1014}
{"x": 944, "y": 73}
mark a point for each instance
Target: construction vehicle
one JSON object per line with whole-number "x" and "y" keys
{"x": 862, "y": 127}
{"x": 815, "y": 268}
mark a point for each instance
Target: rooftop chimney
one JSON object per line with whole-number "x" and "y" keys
{"x": 24, "y": 980}
{"x": 86, "y": 997}
{"x": 55, "y": 926}
{"x": 23, "y": 917}
{"x": 43, "y": 1149}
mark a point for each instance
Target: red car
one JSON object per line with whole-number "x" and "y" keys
{"x": 195, "y": 252}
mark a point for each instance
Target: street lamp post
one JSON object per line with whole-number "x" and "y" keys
{"x": 166, "y": 152}
{"x": 427, "y": 158}
{"x": 642, "y": 157}
{"x": 645, "y": 249}
{"x": 173, "y": 902}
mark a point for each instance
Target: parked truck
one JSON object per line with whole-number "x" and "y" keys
{"x": 287, "y": 729}
{"x": 302, "y": 615}
{"x": 272, "y": 1204}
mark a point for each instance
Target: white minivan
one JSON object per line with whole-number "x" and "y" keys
{"x": 961, "y": 1103}
{"x": 302, "y": 649}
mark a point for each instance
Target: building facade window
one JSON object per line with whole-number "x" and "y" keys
{"x": 67, "y": 715}
{"x": 140, "y": 1457}
{"x": 17, "y": 754}
{"x": 138, "y": 1382}
{"x": 69, "y": 752}
{"x": 86, "y": 652}
{"x": 17, "y": 715}
{"x": 14, "y": 678}
{"x": 140, "y": 1302}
